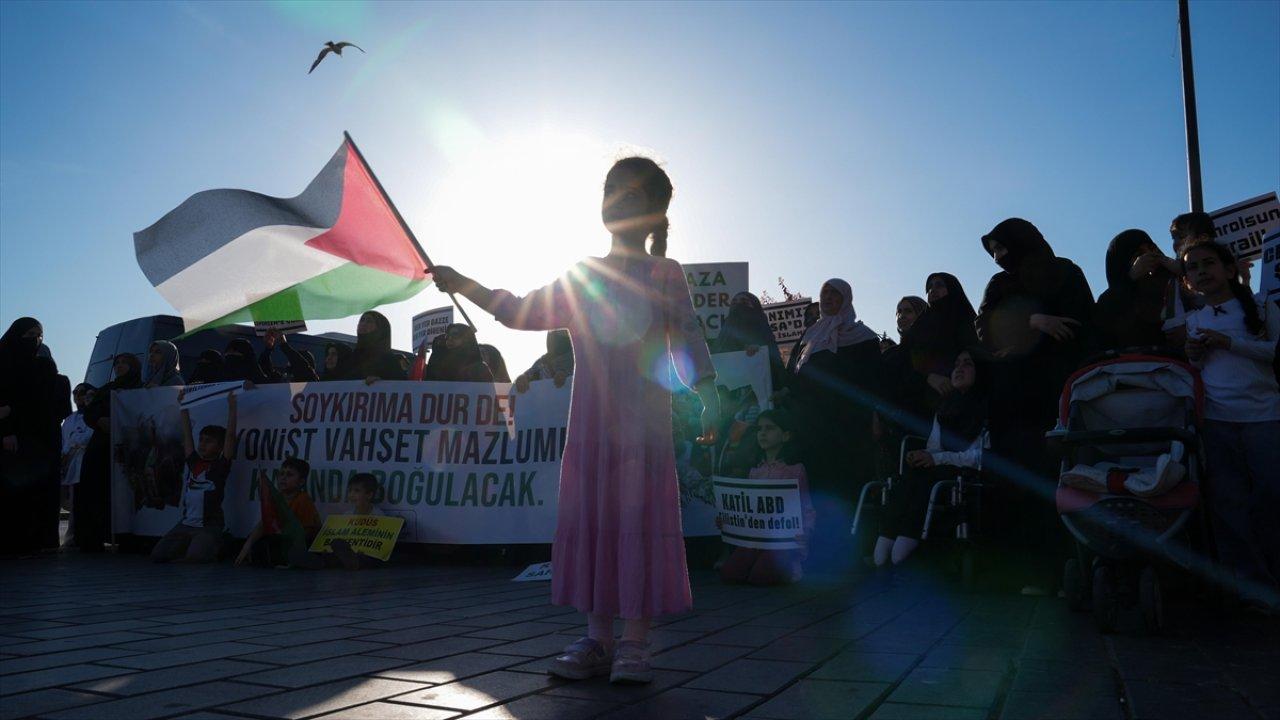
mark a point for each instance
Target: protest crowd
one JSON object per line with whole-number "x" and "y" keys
{"x": 978, "y": 387}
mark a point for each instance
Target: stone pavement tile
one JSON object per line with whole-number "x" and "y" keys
{"x": 760, "y": 677}
{"x": 54, "y": 677}
{"x": 1258, "y": 683}
{"x": 601, "y": 690}
{"x": 43, "y": 701}
{"x": 696, "y": 657}
{"x": 164, "y": 704}
{"x": 53, "y": 633}
{"x": 323, "y": 698}
{"x": 1170, "y": 701}
{"x": 479, "y": 691}
{"x": 944, "y": 686}
{"x": 746, "y": 636}
{"x": 533, "y": 647}
{"x": 687, "y": 704}
{"x": 41, "y": 647}
{"x": 206, "y": 625}
{"x": 171, "y": 677}
{"x": 1067, "y": 704}
{"x": 432, "y": 649}
{"x": 390, "y": 711}
{"x": 799, "y": 648}
{"x": 855, "y": 665}
{"x": 821, "y": 700}
{"x": 1098, "y": 665}
{"x": 404, "y": 622}
{"x": 1027, "y": 680}
{"x": 518, "y": 631}
{"x": 322, "y": 671}
{"x": 903, "y": 711}
{"x": 661, "y": 639}
{"x": 73, "y": 657}
{"x": 448, "y": 669}
{"x": 26, "y": 627}
{"x": 207, "y": 715}
{"x": 703, "y": 623}
{"x": 173, "y": 642}
{"x": 1008, "y": 637}
{"x": 542, "y": 707}
{"x": 417, "y": 634}
{"x": 183, "y": 656}
{"x": 314, "y": 651}
{"x": 336, "y": 632}
{"x": 970, "y": 657}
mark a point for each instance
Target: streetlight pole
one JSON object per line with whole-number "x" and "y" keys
{"x": 1189, "y": 110}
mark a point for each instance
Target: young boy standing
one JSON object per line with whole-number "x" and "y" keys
{"x": 292, "y": 482}
{"x": 198, "y": 535}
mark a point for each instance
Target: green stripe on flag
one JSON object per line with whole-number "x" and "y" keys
{"x": 342, "y": 292}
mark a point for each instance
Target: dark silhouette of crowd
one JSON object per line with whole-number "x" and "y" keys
{"x": 975, "y": 384}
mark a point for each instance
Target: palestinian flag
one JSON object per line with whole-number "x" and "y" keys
{"x": 338, "y": 249}
{"x": 277, "y": 518}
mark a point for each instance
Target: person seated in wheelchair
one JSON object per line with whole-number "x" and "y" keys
{"x": 955, "y": 442}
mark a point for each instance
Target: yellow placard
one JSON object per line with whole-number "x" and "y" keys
{"x": 372, "y": 535}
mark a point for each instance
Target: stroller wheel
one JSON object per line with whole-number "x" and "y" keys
{"x": 1106, "y": 604}
{"x": 1073, "y": 585}
{"x": 1152, "y": 600}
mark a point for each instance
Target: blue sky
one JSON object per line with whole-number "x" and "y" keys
{"x": 871, "y": 141}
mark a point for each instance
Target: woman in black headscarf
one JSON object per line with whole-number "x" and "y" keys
{"x": 93, "y": 494}
{"x": 455, "y": 357}
{"x": 747, "y": 327}
{"x": 942, "y": 332}
{"x": 1036, "y": 320}
{"x": 1128, "y": 314}
{"x": 163, "y": 365}
{"x": 335, "y": 355}
{"x": 34, "y": 399}
{"x": 373, "y": 359}
{"x": 208, "y": 368}
{"x": 904, "y": 399}
{"x": 240, "y": 362}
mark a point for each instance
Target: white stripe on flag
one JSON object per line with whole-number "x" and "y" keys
{"x": 260, "y": 263}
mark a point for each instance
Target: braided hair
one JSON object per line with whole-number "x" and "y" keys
{"x": 1252, "y": 318}
{"x": 657, "y": 186}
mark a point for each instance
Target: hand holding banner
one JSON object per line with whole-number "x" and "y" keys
{"x": 765, "y": 514}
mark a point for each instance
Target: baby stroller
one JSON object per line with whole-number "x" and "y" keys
{"x": 1129, "y": 482}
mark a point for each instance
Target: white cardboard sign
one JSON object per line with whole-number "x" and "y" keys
{"x": 1243, "y": 226}
{"x": 763, "y": 514}
{"x": 427, "y": 325}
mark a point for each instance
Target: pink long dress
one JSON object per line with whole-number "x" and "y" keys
{"x": 619, "y": 546}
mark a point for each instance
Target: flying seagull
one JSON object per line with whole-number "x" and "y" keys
{"x": 335, "y": 48}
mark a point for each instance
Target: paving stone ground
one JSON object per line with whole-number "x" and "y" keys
{"x": 99, "y": 638}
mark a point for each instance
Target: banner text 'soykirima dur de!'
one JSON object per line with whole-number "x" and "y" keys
{"x": 460, "y": 462}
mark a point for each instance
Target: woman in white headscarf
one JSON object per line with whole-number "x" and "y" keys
{"x": 835, "y": 379}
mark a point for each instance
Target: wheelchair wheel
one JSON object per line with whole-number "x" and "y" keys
{"x": 1151, "y": 600}
{"x": 1106, "y": 601}
{"x": 1073, "y": 586}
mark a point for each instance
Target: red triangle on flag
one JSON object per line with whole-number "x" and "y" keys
{"x": 368, "y": 231}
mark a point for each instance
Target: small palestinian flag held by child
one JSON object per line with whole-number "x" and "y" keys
{"x": 277, "y": 518}
{"x": 336, "y": 250}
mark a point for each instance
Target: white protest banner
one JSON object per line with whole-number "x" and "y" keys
{"x": 786, "y": 319}
{"x": 1243, "y": 226}
{"x": 280, "y": 326}
{"x": 427, "y": 325}
{"x": 535, "y": 572}
{"x": 712, "y": 286}
{"x": 204, "y": 392}
{"x": 1269, "y": 280}
{"x": 461, "y": 463}
{"x": 745, "y": 387}
{"x": 763, "y": 514}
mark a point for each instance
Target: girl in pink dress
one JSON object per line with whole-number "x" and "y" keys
{"x": 619, "y": 546}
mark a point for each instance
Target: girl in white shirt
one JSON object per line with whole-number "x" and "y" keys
{"x": 1233, "y": 344}
{"x": 956, "y": 441}
{"x": 75, "y": 437}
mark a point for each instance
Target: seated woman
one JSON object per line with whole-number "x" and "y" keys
{"x": 956, "y": 441}
{"x": 774, "y": 431}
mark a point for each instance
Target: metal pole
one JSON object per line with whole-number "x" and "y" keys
{"x": 404, "y": 225}
{"x": 1189, "y": 110}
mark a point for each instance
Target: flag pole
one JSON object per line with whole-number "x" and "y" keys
{"x": 1189, "y": 109}
{"x": 403, "y": 225}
